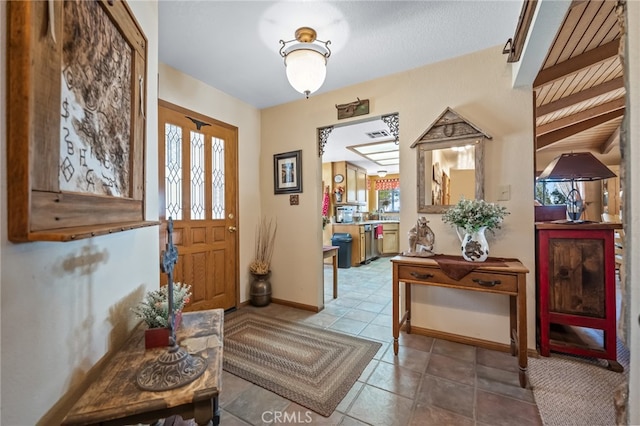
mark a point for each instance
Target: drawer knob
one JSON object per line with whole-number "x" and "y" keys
{"x": 484, "y": 283}
{"x": 421, "y": 276}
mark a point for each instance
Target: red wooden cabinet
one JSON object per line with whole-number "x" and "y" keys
{"x": 576, "y": 287}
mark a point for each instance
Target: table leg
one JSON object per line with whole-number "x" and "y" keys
{"x": 513, "y": 323}
{"x": 205, "y": 406}
{"x": 335, "y": 276}
{"x": 522, "y": 330}
{"x": 407, "y": 305}
{"x": 395, "y": 311}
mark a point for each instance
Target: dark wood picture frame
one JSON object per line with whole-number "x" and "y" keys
{"x": 38, "y": 210}
{"x": 287, "y": 172}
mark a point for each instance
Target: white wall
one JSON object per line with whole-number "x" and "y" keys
{"x": 60, "y": 317}
{"x": 478, "y": 86}
{"x": 187, "y": 92}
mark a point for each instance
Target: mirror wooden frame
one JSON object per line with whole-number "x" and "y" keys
{"x": 423, "y": 205}
{"x": 38, "y": 210}
{"x": 449, "y": 130}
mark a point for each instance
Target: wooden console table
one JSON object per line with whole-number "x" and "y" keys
{"x": 114, "y": 398}
{"x": 332, "y": 251}
{"x": 509, "y": 280}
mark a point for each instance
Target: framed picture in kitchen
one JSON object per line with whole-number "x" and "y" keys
{"x": 287, "y": 172}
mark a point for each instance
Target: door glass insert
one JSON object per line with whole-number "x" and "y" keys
{"x": 217, "y": 178}
{"x": 197, "y": 176}
{"x": 173, "y": 171}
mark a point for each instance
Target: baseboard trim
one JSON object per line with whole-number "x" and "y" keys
{"x": 296, "y": 305}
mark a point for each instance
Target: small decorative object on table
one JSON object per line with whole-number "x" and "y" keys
{"x": 260, "y": 267}
{"x": 154, "y": 311}
{"x": 421, "y": 239}
{"x": 176, "y": 367}
{"x": 471, "y": 219}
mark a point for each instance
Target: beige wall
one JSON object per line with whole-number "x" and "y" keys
{"x": 59, "y": 315}
{"x": 478, "y": 86}
{"x": 187, "y": 92}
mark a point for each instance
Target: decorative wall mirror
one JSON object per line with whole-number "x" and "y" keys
{"x": 450, "y": 162}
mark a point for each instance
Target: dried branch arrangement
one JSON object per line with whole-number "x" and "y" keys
{"x": 265, "y": 241}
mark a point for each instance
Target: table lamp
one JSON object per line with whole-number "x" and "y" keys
{"x": 575, "y": 167}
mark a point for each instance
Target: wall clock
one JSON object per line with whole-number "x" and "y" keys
{"x": 338, "y": 178}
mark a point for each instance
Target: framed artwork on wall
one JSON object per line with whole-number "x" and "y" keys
{"x": 287, "y": 172}
{"x": 76, "y": 128}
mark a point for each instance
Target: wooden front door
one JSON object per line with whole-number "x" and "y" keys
{"x": 198, "y": 167}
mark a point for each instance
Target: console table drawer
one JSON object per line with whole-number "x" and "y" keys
{"x": 485, "y": 281}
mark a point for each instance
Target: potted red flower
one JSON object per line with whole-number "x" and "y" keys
{"x": 154, "y": 311}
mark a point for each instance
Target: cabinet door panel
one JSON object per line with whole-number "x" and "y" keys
{"x": 352, "y": 191}
{"x": 577, "y": 280}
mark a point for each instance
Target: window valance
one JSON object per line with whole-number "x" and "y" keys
{"x": 387, "y": 184}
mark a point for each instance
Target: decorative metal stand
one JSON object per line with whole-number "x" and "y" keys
{"x": 176, "y": 367}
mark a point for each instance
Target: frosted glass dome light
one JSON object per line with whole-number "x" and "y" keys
{"x": 305, "y": 61}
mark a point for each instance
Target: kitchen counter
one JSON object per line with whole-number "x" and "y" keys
{"x": 366, "y": 222}
{"x": 385, "y": 244}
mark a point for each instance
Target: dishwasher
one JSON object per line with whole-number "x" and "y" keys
{"x": 370, "y": 244}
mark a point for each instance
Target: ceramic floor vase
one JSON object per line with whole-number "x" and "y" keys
{"x": 260, "y": 291}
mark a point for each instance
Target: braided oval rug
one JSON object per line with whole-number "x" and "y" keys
{"x": 307, "y": 365}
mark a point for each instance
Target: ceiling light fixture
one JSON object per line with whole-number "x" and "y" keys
{"x": 382, "y": 173}
{"x": 306, "y": 60}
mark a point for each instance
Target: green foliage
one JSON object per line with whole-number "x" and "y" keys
{"x": 154, "y": 309}
{"x": 471, "y": 215}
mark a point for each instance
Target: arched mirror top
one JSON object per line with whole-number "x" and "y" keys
{"x": 450, "y": 162}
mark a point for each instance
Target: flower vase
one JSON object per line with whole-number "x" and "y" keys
{"x": 260, "y": 291}
{"x": 474, "y": 245}
{"x": 338, "y": 197}
{"x": 159, "y": 336}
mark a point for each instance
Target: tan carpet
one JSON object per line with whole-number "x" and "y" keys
{"x": 308, "y": 365}
{"x": 572, "y": 390}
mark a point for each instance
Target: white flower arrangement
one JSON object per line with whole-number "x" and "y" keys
{"x": 154, "y": 309}
{"x": 471, "y": 215}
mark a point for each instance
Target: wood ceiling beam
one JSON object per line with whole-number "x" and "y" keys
{"x": 615, "y": 105}
{"x": 613, "y": 140}
{"x": 522, "y": 29}
{"x": 548, "y": 139}
{"x": 584, "y": 95}
{"x": 577, "y": 63}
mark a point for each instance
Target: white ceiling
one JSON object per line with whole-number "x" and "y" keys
{"x": 233, "y": 45}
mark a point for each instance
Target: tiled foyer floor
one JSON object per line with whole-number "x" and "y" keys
{"x": 431, "y": 382}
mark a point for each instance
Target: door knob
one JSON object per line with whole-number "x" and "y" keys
{"x": 232, "y": 229}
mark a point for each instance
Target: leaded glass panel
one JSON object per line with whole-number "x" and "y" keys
{"x": 197, "y": 176}
{"x": 173, "y": 171}
{"x": 217, "y": 178}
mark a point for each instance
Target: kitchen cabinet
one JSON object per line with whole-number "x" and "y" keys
{"x": 390, "y": 241}
{"x": 356, "y": 183}
{"x": 362, "y": 240}
{"x": 357, "y": 244}
{"x": 363, "y": 245}
{"x": 576, "y": 288}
